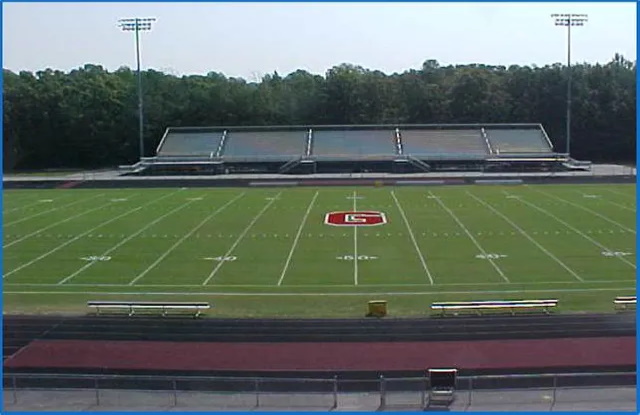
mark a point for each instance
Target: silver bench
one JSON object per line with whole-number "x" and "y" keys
{"x": 131, "y": 307}
{"x": 624, "y": 303}
{"x": 498, "y": 305}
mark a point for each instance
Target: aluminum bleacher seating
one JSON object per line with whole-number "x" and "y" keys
{"x": 264, "y": 145}
{"x": 186, "y": 144}
{"x": 512, "y": 141}
{"x": 444, "y": 143}
{"x": 347, "y": 144}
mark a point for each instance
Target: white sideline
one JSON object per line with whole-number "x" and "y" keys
{"x": 295, "y": 241}
{"x": 464, "y": 228}
{"x": 452, "y": 284}
{"x": 413, "y": 239}
{"x": 46, "y": 211}
{"x": 46, "y": 254}
{"x": 124, "y": 241}
{"x": 526, "y": 235}
{"x": 295, "y": 294}
{"x": 237, "y": 241}
{"x": 593, "y": 241}
{"x": 355, "y": 244}
{"x": 53, "y": 225}
{"x": 191, "y": 232}
{"x": 586, "y": 210}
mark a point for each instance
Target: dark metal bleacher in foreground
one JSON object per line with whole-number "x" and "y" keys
{"x": 165, "y": 308}
{"x": 498, "y": 305}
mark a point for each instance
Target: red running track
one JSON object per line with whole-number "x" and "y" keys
{"x": 489, "y": 354}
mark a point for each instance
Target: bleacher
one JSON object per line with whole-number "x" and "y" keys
{"x": 264, "y": 145}
{"x": 518, "y": 141}
{"x": 355, "y": 148}
{"x": 187, "y": 143}
{"x": 429, "y": 144}
{"x": 348, "y": 144}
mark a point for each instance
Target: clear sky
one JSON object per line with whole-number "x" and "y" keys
{"x": 251, "y": 39}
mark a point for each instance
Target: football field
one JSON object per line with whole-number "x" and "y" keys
{"x": 319, "y": 252}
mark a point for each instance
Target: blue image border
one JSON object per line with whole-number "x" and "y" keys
{"x": 377, "y": 1}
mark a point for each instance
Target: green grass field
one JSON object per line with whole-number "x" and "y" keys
{"x": 268, "y": 252}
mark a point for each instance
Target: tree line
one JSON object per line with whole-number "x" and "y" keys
{"x": 87, "y": 118}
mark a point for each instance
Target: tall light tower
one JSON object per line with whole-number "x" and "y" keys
{"x": 137, "y": 25}
{"x": 568, "y": 20}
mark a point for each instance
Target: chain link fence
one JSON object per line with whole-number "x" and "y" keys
{"x": 534, "y": 392}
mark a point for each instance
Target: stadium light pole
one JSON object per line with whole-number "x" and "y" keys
{"x": 137, "y": 25}
{"x": 568, "y": 20}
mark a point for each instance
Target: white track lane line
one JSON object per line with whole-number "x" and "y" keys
{"x": 526, "y": 235}
{"x": 181, "y": 240}
{"x": 50, "y": 210}
{"x": 46, "y": 254}
{"x": 413, "y": 239}
{"x": 593, "y": 212}
{"x": 551, "y": 215}
{"x": 124, "y": 241}
{"x": 464, "y": 228}
{"x": 237, "y": 241}
{"x": 295, "y": 241}
{"x": 604, "y": 199}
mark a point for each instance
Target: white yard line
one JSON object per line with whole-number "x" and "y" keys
{"x": 526, "y": 235}
{"x": 593, "y": 212}
{"x": 124, "y": 241}
{"x": 237, "y": 241}
{"x": 52, "y": 225}
{"x": 181, "y": 240}
{"x": 355, "y": 243}
{"x": 604, "y": 199}
{"x": 49, "y": 210}
{"x": 46, "y": 254}
{"x": 464, "y": 228}
{"x": 295, "y": 241}
{"x": 413, "y": 239}
{"x": 551, "y": 215}
{"x": 324, "y": 294}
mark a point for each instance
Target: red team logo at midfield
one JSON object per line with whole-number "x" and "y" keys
{"x": 361, "y": 218}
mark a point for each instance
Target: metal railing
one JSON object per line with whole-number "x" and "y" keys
{"x": 327, "y": 393}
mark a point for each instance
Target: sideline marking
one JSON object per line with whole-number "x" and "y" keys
{"x": 413, "y": 239}
{"x": 290, "y": 294}
{"x": 295, "y": 241}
